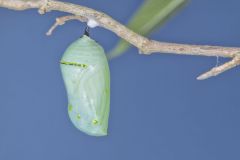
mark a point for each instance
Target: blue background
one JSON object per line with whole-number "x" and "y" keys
{"x": 158, "y": 108}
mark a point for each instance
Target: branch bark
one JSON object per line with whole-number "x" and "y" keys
{"x": 144, "y": 45}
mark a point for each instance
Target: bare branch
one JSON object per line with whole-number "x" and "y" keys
{"x": 144, "y": 45}
{"x": 21, "y": 4}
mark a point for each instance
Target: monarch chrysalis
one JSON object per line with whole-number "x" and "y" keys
{"x": 86, "y": 76}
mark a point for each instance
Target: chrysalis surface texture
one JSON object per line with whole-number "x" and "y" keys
{"x": 86, "y": 76}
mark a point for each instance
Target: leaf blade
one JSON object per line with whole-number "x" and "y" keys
{"x": 151, "y": 15}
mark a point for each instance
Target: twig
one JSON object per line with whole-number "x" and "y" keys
{"x": 220, "y": 69}
{"x": 61, "y": 21}
{"x": 144, "y": 45}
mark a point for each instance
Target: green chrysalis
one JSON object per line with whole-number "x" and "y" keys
{"x": 86, "y": 76}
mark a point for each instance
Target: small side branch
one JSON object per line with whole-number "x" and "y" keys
{"x": 62, "y": 20}
{"x": 220, "y": 69}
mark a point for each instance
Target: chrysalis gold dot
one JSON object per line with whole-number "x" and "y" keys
{"x": 70, "y": 107}
{"x": 78, "y": 116}
{"x": 95, "y": 121}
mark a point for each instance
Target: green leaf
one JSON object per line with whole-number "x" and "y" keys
{"x": 151, "y": 15}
